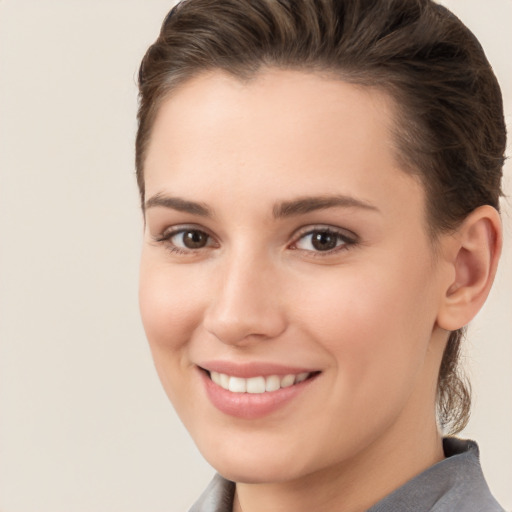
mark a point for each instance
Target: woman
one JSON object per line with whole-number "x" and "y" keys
{"x": 320, "y": 183}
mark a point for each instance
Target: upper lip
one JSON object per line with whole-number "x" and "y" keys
{"x": 252, "y": 369}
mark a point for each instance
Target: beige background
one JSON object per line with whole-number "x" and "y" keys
{"x": 84, "y": 425}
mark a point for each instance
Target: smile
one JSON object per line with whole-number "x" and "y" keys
{"x": 254, "y": 391}
{"x": 257, "y": 385}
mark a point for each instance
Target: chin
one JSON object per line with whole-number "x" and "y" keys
{"x": 268, "y": 471}
{"x": 256, "y": 462}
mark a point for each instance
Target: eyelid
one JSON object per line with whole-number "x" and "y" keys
{"x": 177, "y": 228}
{"x": 343, "y": 232}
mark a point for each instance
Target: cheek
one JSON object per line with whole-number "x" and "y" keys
{"x": 374, "y": 323}
{"x": 170, "y": 314}
{"x": 169, "y": 308}
{"x": 377, "y": 342}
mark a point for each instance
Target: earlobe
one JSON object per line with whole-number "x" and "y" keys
{"x": 474, "y": 254}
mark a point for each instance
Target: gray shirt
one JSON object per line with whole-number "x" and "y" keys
{"x": 456, "y": 484}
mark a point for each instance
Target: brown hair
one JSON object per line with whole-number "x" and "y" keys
{"x": 449, "y": 129}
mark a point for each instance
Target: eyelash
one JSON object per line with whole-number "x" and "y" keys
{"x": 348, "y": 239}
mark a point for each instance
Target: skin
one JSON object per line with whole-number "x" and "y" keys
{"x": 370, "y": 315}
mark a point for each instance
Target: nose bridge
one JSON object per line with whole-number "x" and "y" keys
{"x": 246, "y": 302}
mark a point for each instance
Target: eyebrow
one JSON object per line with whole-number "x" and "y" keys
{"x": 304, "y": 205}
{"x": 179, "y": 204}
{"x": 280, "y": 210}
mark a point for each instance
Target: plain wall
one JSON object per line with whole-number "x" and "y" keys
{"x": 84, "y": 424}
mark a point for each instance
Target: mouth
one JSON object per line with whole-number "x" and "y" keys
{"x": 256, "y": 394}
{"x": 259, "y": 384}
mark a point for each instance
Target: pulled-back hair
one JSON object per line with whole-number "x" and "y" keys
{"x": 449, "y": 126}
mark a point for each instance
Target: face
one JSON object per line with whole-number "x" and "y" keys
{"x": 288, "y": 288}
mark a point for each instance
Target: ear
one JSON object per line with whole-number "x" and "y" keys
{"x": 472, "y": 254}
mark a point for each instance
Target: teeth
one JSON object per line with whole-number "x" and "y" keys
{"x": 287, "y": 381}
{"x": 224, "y": 381}
{"x": 237, "y": 385}
{"x": 257, "y": 385}
{"x": 272, "y": 383}
{"x": 302, "y": 377}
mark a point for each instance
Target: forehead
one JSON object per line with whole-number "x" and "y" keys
{"x": 277, "y": 134}
{"x": 273, "y": 104}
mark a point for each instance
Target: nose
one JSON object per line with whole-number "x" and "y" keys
{"x": 246, "y": 308}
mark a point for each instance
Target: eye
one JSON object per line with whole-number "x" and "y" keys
{"x": 324, "y": 240}
{"x": 184, "y": 240}
{"x": 190, "y": 239}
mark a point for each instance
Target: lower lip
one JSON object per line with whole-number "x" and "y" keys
{"x": 251, "y": 405}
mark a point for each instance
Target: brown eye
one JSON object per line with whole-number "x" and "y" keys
{"x": 186, "y": 240}
{"x": 324, "y": 240}
{"x": 192, "y": 239}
